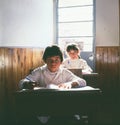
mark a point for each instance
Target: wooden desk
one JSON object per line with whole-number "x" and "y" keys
{"x": 92, "y": 79}
{"x": 57, "y": 102}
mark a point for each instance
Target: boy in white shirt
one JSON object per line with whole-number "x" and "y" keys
{"x": 52, "y": 75}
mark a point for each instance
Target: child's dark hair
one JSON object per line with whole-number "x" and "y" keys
{"x": 53, "y": 50}
{"x": 72, "y": 46}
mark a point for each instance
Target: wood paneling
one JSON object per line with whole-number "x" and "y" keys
{"x": 2, "y": 87}
{"x": 108, "y": 66}
{"x": 15, "y": 64}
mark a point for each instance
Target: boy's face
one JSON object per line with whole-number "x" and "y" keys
{"x": 73, "y": 54}
{"x": 53, "y": 63}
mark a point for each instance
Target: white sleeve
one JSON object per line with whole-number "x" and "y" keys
{"x": 86, "y": 68}
{"x": 70, "y": 78}
{"x": 35, "y": 75}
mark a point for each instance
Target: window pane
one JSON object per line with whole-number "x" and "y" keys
{"x": 75, "y": 29}
{"x": 76, "y": 14}
{"x": 85, "y": 42}
{"x": 64, "y": 3}
{"x": 75, "y": 23}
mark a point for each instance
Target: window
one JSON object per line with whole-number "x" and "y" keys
{"x": 75, "y": 23}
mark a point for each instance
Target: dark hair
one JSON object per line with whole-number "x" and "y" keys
{"x": 53, "y": 50}
{"x": 72, "y": 46}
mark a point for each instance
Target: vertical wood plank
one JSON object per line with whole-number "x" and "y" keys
{"x": 37, "y": 57}
{"x": 2, "y": 86}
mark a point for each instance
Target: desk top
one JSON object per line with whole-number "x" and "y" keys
{"x": 86, "y": 89}
{"x": 46, "y": 101}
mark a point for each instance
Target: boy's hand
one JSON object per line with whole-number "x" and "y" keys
{"x": 29, "y": 85}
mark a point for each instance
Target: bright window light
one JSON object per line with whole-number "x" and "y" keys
{"x": 75, "y": 23}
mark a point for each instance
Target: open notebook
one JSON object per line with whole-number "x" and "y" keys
{"x": 72, "y": 89}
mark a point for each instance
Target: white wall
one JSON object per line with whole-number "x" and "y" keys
{"x": 0, "y": 24}
{"x": 107, "y": 22}
{"x": 26, "y": 23}
{"x": 29, "y": 23}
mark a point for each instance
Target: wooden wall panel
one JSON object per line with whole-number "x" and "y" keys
{"x": 2, "y": 87}
{"x": 15, "y": 64}
{"x": 37, "y": 58}
{"x": 108, "y": 66}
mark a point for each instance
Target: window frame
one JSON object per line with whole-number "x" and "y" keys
{"x": 55, "y": 21}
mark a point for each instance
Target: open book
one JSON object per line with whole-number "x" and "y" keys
{"x": 55, "y": 87}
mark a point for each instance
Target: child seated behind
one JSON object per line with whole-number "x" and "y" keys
{"x": 74, "y": 61}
